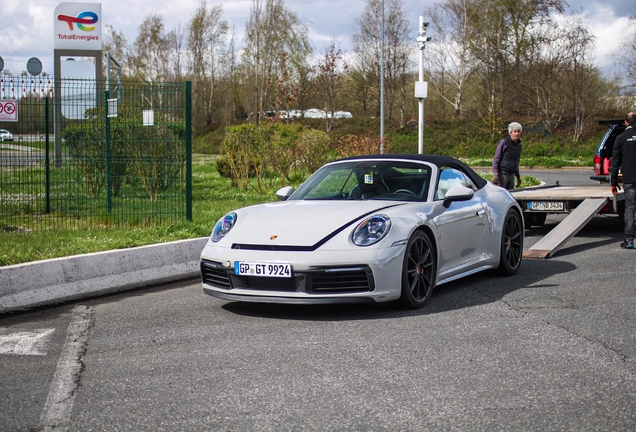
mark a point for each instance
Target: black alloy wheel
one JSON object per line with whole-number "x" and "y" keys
{"x": 418, "y": 271}
{"x": 511, "y": 244}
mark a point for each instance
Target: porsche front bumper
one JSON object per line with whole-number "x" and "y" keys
{"x": 335, "y": 281}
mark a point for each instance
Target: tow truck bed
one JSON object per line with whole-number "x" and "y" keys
{"x": 562, "y": 193}
{"x": 581, "y": 203}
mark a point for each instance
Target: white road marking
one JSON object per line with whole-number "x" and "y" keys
{"x": 26, "y": 343}
{"x": 59, "y": 403}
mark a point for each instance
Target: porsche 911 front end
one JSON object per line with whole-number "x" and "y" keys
{"x": 335, "y": 262}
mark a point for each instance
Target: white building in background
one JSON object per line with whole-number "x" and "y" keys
{"x": 314, "y": 113}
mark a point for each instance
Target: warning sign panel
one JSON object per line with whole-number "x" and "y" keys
{"x": 8, "y": 110}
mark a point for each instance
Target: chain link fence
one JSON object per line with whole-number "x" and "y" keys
{"x": 81, "y": 155}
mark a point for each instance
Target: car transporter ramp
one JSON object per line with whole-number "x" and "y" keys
{"x": 580, "y": 203}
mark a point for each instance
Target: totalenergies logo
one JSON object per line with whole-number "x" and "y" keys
{"x": 82, "y": 19}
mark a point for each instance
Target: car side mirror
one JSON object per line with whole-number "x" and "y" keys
{"x": 458, "y": 193}
{"x": 284, "y": 193}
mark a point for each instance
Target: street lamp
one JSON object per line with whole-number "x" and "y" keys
{"x": 421, "y": 86}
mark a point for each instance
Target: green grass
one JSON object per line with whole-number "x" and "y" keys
{"x": 213, "y": 196}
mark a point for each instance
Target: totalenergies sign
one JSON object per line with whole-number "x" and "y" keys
{"x": 78, "y": 26}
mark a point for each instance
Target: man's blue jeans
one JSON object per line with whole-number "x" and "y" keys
{"x": 630, "y": 195}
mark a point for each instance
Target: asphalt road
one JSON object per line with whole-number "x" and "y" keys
{"x": 552, "y": 348}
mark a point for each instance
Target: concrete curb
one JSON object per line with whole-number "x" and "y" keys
{"x": 23, "y": 286}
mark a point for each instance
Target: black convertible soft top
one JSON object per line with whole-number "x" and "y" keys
{"x": 439, "y": 161}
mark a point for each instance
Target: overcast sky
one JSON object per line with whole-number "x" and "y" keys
{"x": 26, "y": 26}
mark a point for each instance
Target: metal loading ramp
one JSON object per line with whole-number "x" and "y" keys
{"x": 566, "y": 229}
{"x": 582, "y": 203}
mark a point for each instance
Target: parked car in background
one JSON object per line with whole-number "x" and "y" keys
{"x": 366, "y": 229}
{"x": 5, "y": 135}
{"x": 604, "y": 150}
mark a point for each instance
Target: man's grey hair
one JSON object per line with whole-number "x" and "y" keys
{"x": 514, "y": 126}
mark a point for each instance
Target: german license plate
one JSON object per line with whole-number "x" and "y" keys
{"x": 262, "y": 269}
{"x": 545, "y": 205}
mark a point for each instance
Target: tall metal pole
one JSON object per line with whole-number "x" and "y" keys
{"x": 420, "y": 85}
{"x": 382, "y": 85}
{"x": 420, "y": 114}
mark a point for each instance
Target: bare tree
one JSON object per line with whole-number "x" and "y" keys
{"x": 450, "y": 60}
{"x": 230, "y": 93}
{"x": 582, "y": 76}
{"x": 149, "y": 54}
{"x": 501, "y": 40}
{"x": 361, "y": 88}
{"x": 564, "y": 47}
{"x": 305, "y": 88}
{"x": 330, "y": 81}
{"x": 176, "y": 43}
{"x": 367, "y": 46}
{"x": 489, "y": 44}
{"x": 272, "y": 33}
{"x": 544, "y": 83}
{"x": 626, "y": 54}
{"x": 522, "y": 17}
{"x": 285, "y": 89}
{"x": 399, "y": 65}
{"x": 116, "y": 44}
{"x": 206, "y": 48}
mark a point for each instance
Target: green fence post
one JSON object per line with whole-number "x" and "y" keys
{"x": 188, "y": 121}
{"x": 47, "y": 159}
{"x": 109, "y": 197}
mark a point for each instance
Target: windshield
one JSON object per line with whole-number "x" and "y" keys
{"x": 364, "y": 179}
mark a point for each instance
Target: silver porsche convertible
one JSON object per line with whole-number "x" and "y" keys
{"x": 366, "y": 229}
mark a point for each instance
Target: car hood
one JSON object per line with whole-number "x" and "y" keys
{"x": 300, "y": 223}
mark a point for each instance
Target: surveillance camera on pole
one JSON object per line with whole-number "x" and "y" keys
{"x": 422, "y": 38}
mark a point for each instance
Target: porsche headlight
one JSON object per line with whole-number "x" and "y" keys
{"x": 223, "y": 226}
{"x": 371, "y": 230}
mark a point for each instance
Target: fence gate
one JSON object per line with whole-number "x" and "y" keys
{"x": 98, "y": 158}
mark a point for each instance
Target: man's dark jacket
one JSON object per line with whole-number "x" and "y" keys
{"x": 507, "y": 156}
{"x": 624, "y": 157}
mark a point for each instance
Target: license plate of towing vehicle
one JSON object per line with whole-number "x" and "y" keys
{"x": 545, "y": 205}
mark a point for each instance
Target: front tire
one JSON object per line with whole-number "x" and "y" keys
{"x": 511, "y": 244}
{"x": 418, "y": 271}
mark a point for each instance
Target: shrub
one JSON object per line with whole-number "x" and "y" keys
{"x": 357, "y": 145}
{"x": 314, "y": 150}
{"x": 275, "y": 149}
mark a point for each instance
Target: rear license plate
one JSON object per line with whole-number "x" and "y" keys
{"x": 545, "y": 205}
{"x": 262, "y": 269}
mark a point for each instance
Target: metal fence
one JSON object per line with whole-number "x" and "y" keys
{"x": 85, "y": 156}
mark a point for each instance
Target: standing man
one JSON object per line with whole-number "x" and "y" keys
{"x": 624, "y": 158}
{"x": 505, "y": 164}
